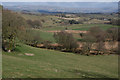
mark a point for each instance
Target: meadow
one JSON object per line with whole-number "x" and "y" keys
{"x": 54, "y": 64}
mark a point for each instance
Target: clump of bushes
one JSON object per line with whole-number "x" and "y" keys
{"x": 66, "y": 40}
{"x": 73, "y": 22}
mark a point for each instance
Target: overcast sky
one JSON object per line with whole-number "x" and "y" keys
{"x": 59, "y": 0}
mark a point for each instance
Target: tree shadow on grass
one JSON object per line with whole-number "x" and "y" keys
{"x": 17, "y": 48}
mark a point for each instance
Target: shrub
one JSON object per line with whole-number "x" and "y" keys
{"x": 73, "y": 22}
{"x": 8, "y": 46}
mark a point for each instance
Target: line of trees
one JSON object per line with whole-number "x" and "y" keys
{"x": 94, "y": 41}
{"x": 16, "y": 29}
{"x": 12, "y": 27}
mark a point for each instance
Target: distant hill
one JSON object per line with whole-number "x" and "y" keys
{"x": 70, "y": 7}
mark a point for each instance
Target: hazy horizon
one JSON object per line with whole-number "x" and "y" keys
{"x": 60, "y": 1}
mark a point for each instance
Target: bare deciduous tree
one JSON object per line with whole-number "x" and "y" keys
{"x": 66, "y": 39}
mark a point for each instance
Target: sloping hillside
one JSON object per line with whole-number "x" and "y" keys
{"x": 54, "y": 64}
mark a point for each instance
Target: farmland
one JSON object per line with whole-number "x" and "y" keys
{"x": 51, "y": 25}
{"x": 24, "y": 32}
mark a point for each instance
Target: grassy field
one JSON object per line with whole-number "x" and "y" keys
{"x": 55, "y": 64}
{"x": 88, "y": 26}
{"x": 46, "y": 36}
{"x": 82, "y": 27}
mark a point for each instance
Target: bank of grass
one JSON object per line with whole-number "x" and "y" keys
{"x": 54, "y": 64}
